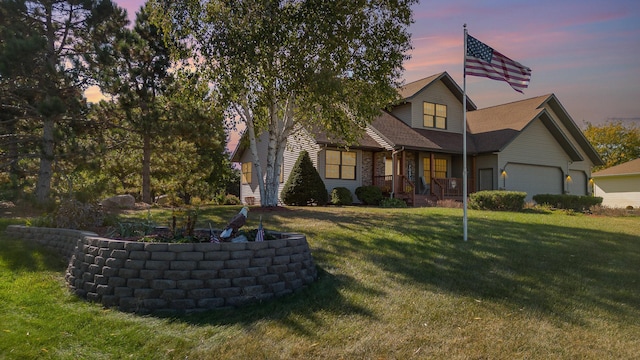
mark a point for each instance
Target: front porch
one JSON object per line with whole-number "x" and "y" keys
{"x": 422, "y": 193}
{"x": 420, "y": 178}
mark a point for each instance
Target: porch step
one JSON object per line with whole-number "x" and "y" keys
{"x": 424, "y": 200}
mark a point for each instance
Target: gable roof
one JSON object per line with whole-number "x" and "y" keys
{"x": 408, "y": 91}
{"x": 495, "y": 127}
{"x": 629, "y": 168}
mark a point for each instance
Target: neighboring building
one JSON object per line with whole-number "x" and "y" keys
{"x": 414, "y": 151}
{"x": 619, "y": 186}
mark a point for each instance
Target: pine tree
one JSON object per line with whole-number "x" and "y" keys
{"x": 304, "y": 186}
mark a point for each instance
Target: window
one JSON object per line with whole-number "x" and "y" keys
{"x": 340, "y": 165}
{"x": 435, "y": 115}
{"x": 388, "y": 167}
{"x": 440, "y": 169}
{"x": 246, "y": 173}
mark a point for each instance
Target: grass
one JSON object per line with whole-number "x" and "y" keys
{"x": 393, "y": 284}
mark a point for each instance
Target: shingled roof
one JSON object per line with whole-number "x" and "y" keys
{"x": 398, "y": 134}
{"x": 495, "y": 127}
{"x": 629, "y": 168}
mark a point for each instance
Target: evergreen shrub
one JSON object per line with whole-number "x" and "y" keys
{"x": 304, "y": 186}
{"x": 369, "y": 195}
{"x": 497, "y": 200}
{"x": 393, "y": 203}
{"x": 341, "y": 196}
{"x": 568, "y": 202}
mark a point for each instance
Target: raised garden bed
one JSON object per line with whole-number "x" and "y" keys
{"x": 149, "y": 277}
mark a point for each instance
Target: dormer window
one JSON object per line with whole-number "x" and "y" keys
{"x": 435, "y": 115}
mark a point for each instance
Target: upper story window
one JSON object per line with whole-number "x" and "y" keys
{"x": 435, "y": 115}
{"x": 340, "y": 165}
{"x": 246, "y": 173}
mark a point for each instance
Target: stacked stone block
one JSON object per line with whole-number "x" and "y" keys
{"x": 154, "y": 277}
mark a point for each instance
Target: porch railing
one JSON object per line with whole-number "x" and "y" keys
{"x": 450, "y": 188}
{"x": 441, "y": 188}
{"x": 404, "y": 188}
{"x": 383, "y": 182}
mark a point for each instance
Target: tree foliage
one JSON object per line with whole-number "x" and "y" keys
{"x": 274, "y": 65}
{"x": 47, "y": 54}
{"x": 614, "y": 142}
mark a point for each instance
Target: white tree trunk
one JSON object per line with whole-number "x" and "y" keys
{"x": 280, "y": 127}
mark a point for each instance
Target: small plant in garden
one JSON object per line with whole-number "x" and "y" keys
{"x": 568, "y": 202}
{"x": 497, "y": 200}
{"x": 393, "y": 203}
{"x": 341, "y": 196}
{"x": 369, "y": 195}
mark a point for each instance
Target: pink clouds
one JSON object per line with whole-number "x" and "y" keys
{"x": 586, "y": 51}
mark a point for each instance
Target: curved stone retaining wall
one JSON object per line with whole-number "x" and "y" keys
{"x": 153, "y": 277}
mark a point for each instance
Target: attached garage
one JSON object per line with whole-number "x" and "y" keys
{"x": 533, "y": 179}
{"x": 578, "y": 183}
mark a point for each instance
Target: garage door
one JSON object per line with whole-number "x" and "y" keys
{"x": 578, "y": 183}
{"x": 534, "y": 179}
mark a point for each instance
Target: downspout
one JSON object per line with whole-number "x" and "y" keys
{"x": 393, "y": 170}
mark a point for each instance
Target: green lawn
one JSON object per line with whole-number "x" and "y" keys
{"x": 393, "y": 284}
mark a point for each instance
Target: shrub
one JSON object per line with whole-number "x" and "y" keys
{"x": 369, "y": 195}
{"x": 73, "y": 214}
{"x": 497, "y": 200}
{"x": 341, "y": 196}
{"x": 226, "y": 199}
{"x": 393, "y": 203}
{"x": 568, "y": 202}
{"x": 304, "y": 186}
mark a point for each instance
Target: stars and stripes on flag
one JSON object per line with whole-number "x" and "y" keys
{"x": 484, "y": 61}
{"x": 260, "y": 233}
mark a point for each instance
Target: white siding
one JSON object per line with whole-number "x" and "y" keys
{"x": 438, "y": 93}
{"x": 618, "y": 191}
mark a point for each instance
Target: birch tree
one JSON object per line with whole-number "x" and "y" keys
{"x": 278, "y": 66}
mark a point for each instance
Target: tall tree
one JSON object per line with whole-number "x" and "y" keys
{"x": 614, "y": 142}
{"x": 138, "y": 75}
{"x": 45, "y": 57}
{"x": 278, "y": 65}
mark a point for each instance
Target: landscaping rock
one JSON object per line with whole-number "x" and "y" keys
{"x": 119, "y": 202}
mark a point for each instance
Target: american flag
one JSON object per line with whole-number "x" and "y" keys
{"x": 260, "y": 233}
{"x": 482, "y": 60}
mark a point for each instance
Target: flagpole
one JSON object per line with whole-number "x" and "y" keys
{"x": 464, "y": 136}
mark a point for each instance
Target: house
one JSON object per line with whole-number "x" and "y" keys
{"x": 619, "y": 186}
{"x": 414, "y": 151}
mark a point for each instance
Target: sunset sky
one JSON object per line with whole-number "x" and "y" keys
{"x": 587, "y": 52}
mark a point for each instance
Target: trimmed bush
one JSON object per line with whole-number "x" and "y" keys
{"x": 393, "y": 203}
{"x": 341, "y": 196}
{"x": 568, "y": 202}
{"x": 497, "y": 200}
{"x": 369, "y": 195}
{"x": 304, "y": 186}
